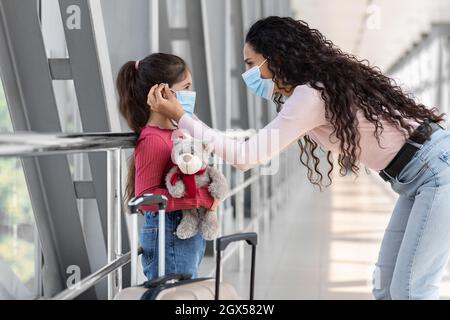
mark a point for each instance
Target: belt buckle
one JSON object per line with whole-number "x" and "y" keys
{"x": 383, "y": 175}
{"x": 414, "y": 144}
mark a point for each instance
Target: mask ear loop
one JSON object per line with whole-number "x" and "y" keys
{"x": 260, "y": 69}
{"x": 262, "y": 63}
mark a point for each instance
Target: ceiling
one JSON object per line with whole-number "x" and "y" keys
{"x": 380, "y": 31}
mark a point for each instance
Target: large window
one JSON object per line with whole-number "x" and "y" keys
{"x": 18, "y": 244}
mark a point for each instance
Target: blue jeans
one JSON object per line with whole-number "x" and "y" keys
{"x": 416, "y": 245}
{"x": 182, "y": 256}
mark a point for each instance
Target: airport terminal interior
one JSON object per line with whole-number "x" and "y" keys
{"x": 61, "y": 215}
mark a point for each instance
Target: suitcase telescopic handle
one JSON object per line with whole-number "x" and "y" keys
{"x": 222, "y": 243}
{"x": 134, "y": 205}
{"x": 145, "y": 199}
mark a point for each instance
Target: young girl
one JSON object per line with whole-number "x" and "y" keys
{"x": 152, "y": 161}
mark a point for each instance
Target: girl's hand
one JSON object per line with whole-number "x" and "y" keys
{"x": 162, "y": 100}
{"x": 215, "y": 205}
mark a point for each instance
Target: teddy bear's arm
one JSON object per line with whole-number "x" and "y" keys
{"x": 218, "y": 187}
{"x": 178, "y": 189}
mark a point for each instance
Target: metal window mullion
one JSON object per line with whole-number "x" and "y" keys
{"x": 25, "y": 71}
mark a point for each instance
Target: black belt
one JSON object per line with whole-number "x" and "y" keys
{"x": 408, "y": 150}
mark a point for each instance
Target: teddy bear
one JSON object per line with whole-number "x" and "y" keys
{"x": 192, "y": 171}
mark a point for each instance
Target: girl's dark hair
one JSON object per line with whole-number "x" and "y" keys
{"x": 133, "y": 85}
{"x": 300, "y": 55}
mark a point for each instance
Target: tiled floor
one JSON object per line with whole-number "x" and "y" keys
{"x": 322, "y": 245}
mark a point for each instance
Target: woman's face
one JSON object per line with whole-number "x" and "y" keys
{"x": 253, "y": 58}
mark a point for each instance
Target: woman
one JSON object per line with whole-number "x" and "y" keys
{"x": 152, "y": 160}
{"x": 326, "y": 97}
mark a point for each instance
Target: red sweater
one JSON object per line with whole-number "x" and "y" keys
{"x": 152, "y": 157}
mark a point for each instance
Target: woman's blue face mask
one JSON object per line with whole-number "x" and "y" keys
{"x": 187, "y": 100}
{"x": 258, "y": 86}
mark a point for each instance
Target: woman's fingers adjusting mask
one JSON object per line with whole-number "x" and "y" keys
{"x": 162, "y": 100}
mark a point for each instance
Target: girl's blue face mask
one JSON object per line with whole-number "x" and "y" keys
{"x": 258, "y": 86}
{"x": 187, "y": 100}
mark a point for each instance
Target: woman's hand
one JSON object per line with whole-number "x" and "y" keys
{"x": 162, "y": 100}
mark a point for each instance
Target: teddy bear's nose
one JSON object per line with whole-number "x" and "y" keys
{"x": 187, "y": 157}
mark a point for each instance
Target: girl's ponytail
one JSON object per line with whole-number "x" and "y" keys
{"x": 131, "y": 98}
{"x": 130, "y": 110}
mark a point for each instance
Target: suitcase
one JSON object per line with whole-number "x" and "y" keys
{"x": 180, "y": 286}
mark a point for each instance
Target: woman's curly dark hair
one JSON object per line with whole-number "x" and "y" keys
{"x": 299, "y": 55}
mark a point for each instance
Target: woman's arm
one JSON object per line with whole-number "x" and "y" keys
{"x": 152, "y": 156}
{"x": 303, "y": 111}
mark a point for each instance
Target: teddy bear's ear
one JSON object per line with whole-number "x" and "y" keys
{"x": 187, "y": 136}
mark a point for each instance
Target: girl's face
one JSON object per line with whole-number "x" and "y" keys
{"x": 253, "y": 58}
{"x": 185, "y": 84}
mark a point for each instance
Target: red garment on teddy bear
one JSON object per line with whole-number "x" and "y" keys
{"x": 188, "y": 180}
